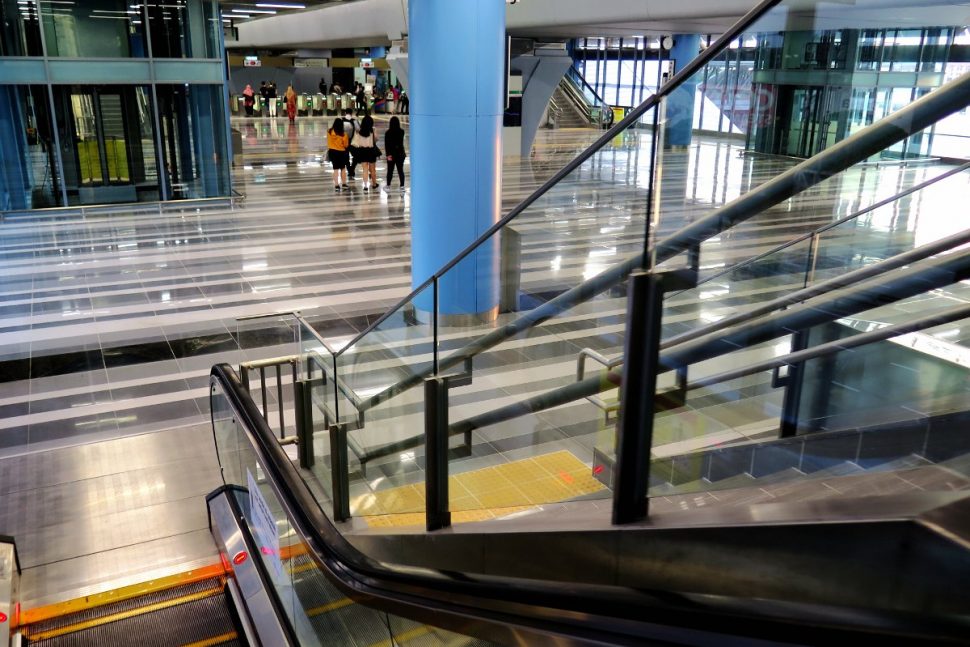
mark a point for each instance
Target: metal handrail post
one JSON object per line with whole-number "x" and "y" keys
{"x": 437, "y": 515}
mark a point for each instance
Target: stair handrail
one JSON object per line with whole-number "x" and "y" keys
{"x": 945, "y": 100}
{"x": 875, "y": 291}
{"x": 698, "y": 62}
{"x": 895, "y": 261}
{"x": 609, "y": 378}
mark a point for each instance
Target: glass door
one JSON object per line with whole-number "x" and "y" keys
{"x": 109, "y": 144}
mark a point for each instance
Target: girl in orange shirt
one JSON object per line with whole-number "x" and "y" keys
{"x": 337, "y": 142}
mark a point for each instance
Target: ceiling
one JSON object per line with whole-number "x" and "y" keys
{"x": 239, "y": 12}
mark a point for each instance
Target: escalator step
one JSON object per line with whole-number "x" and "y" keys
{"x": 211, "y": 586}
{"x": 195, "y": 615}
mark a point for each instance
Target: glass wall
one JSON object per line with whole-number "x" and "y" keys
{"x": 19, "y": 29}
{"x": 93, "y": 29}
{"x": 29, "y": 177}
{"x": 105, "y": 139}
{"x": 182, "y": 29}
{"x": 623, "y": 71}
{"x": 193, "y": 143}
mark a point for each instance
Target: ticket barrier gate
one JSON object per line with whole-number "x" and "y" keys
{"x": 319, "y": 104}
{"x": 333, "y": 104}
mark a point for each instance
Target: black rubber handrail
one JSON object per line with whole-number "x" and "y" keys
{"x": 523, "y": 611}
{"x": 632, "y": 117}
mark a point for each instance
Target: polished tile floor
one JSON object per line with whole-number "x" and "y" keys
{"x": 109, "y": 323}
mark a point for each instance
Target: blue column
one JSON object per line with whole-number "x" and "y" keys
{"x": 456, "y": 53}
{"x": 680, "y": 104}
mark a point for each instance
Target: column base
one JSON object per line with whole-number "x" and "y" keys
{"x": 415, "y": 316}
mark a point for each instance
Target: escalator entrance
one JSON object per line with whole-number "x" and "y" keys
{"x": 189, "y": 609}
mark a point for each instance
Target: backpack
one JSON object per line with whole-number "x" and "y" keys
{"x": 350, "y": 128}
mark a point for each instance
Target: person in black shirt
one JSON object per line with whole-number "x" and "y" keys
{"x": 394, "y": 151}
{"x": 271, "y": 97}
{"x": 323, "y": 87}
{"x": 264, "y": 93}
{"x": 361, "y": 101}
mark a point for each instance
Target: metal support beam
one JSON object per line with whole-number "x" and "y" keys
{"x": 437, "y": 515}
{"x": 339, "y": 472}
{"x": 639, "y": 399}
{"x": 303, "y": 405}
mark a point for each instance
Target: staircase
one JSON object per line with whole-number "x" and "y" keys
{"x": 571, "y": 117}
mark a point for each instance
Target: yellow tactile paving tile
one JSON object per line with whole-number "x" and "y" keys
{"x": 487, "y": 493}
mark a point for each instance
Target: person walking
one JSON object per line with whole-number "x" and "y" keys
{"x": 323, "y": 86}
{"x": 337, "y": 142}
{"x": 366, "y": 151}
{"x": 264, "y": 95}
{"x": 249, "y": 98}
{"x": 291, "y": 102}
{"x": 272, "y": 93}
{"x": 350, "y": 128}
{"x": 361, "y": 100}
{"x": 405, "y": 104}
{"x": 394, "y": 152}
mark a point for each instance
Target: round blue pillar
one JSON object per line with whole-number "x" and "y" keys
{"x": 456, "y": 64}
{"x": 680, "y": 104}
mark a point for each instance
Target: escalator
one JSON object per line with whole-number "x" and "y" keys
{"x": 732, "y": 474}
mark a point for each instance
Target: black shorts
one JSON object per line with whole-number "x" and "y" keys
{"x": 339, "y": 159}
{"x": 365, "y": 154}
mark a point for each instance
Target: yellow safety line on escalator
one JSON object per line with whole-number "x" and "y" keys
{"x": 401, "y": 638}
{"x": 121, "y": 615}
{"x": 39, "y": 614}
{"x": 332, "y": 606}
{"x": 215, "y": 640}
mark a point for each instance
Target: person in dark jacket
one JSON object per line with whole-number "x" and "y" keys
{"x": 394, "y": 151}
{"x": 323, "y": 86}
{"x": 271, "y": 97}
{"x": 264, "y": 93}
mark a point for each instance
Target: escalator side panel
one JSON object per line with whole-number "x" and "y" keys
{"x": 239, "y": 549}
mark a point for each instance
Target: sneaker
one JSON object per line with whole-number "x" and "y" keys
{"x": 346, "y": 187}
{"x": 365, "y": 188}
{"x": 375, "y": 186}
{"x": 402, "y": 189}
{"x": 336, "y": 188}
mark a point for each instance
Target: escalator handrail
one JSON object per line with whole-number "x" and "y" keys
{"x": 878, "y": 290}
{"x": 632, "y": 117}
{"x": 834, "y": 283}
{"x": 513, "y": 608}
{"x": 575, "y": 74}
{"x": 835, "y": 223}
{"x": 893, "y": 128}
